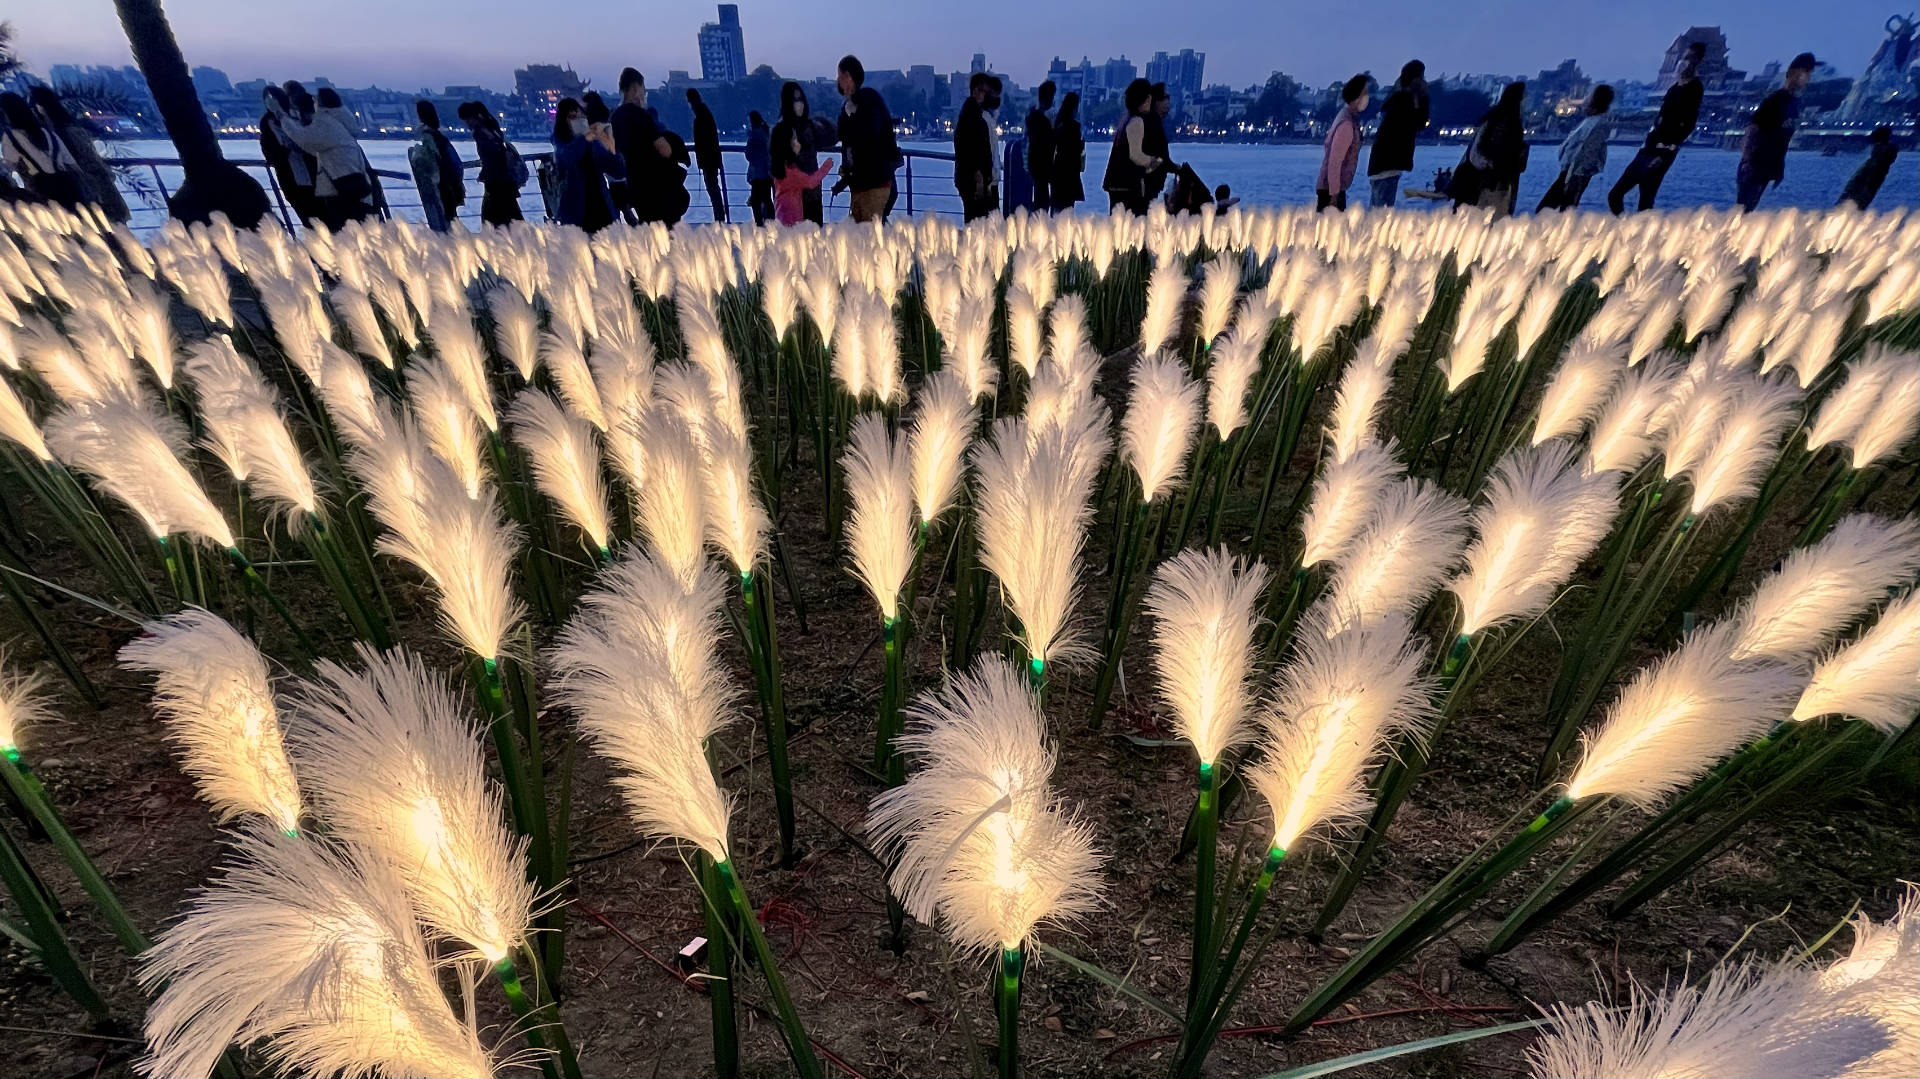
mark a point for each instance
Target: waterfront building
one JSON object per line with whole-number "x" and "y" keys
{"x": 723, "y": 47}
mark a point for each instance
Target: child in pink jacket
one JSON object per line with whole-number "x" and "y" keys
{"x": 788, "y": 206}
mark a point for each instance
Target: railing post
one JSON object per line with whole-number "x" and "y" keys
{"x": 160, "y": 183}
{"x": 273, "y": 184}
{"x": 909, "y": 185}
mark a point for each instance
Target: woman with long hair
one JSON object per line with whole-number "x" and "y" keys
{"x": 796, "y": 143}
{"x": 1130, "y": 163}
{"x": 1488, "y": 175}
{"x": 37, "y": 155}
{"x": 502, "y": 172}
{"x": 1069, "y": 154}
{"x": 97, "y": 183}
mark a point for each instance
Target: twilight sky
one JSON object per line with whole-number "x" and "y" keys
{"x": 407, "y": 44}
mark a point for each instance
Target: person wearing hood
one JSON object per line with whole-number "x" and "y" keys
{"x": 343, "y": 186}
{"x": 1342, "y": 148}
{"x": 583, "y": 160}
{"x": 97, "y": 184}
{"x": 1040, "y": 145}
{"x": 1763, "y": 147}
{"x": 706, "y": 152}
{"x": 440, "y": 172}
{"x": 1488, "y": 175}
{"x": 759, "y": 168}
{"x": 973, "y": 148}
{"x": 795, "y": 145}
{"x": 866, "y": 136}
{"x": 1679, "y": 115}
{"x": 1403, "y": 116}
{"x": 1583, "y": 155}
{"x": 502, "y": 171}
{"x": 38, "y": 156}
{"x": 1866, "y": 180}
{"x": 1065, "y": 187}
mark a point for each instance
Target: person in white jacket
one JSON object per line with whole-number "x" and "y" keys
{"x": 344, "y": 186}
{"x": 1584, "y": 153}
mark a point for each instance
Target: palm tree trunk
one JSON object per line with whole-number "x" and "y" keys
{"x": 212, "y": 183}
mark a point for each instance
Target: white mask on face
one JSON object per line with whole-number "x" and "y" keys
{"x": 579, "y": 125}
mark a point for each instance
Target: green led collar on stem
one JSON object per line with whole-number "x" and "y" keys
{"x": 12, "y": 751}
{"x": 1206, "y": 775}
{"x": 1457, "y": 655}
{"x": 1560, "y": 805}
{"x": 1686, "y": 523}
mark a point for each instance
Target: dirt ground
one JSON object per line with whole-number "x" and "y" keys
{"x": 1787, "y": 880}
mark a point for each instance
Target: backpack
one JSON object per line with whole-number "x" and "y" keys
{"x": 516, "y": 166}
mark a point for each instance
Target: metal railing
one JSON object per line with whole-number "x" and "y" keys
{"x": 927, "y": 189}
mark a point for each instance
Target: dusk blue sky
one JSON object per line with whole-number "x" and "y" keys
{"x": 407, "y": 44}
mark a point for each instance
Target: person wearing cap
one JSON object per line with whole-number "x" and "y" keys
{"x": 1763, "y": 149}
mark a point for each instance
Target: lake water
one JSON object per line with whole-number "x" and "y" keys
{"x": 1264, "y": 174}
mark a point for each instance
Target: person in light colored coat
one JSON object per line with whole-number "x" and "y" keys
{"x": 1584, "y": 153}
{"x": 343, "y": 187}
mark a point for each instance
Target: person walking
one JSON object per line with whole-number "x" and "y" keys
{"x": 583, "y": 159}
{"x": 973, "y": 149}
{"x": 97, "y": 184}
{"x": 1341, "y": 154}
{"x": 706, "y": 152}
{"x": 1488, "y": 175}
{"x": 795, "y": 145}
{"x": 1763, "y": 147}
{"x": 1129, "y": 163}
{"x": 759, "y": 168}
{"x": 342, "y": 184}
{"x": 1867, "y": 179}
{"x": 644, "y": 150}
{"x": 37, "y": 155}
{"x": 1064, "y": 185}
{"x": 1040, "y": 146}
{"x": 502, "y": 172}
{"x": 1583, "y": 154}
{"x": 449, "y": 175}
{"x": 1403, "y": 116}
{"x": 866, "y": 137}
{"x": 1679, "y": 115}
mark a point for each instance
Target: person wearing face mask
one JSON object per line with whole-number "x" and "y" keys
{"x": 795, "y": 145}
{"x": 643, "y": 148}
{"x": 1763, "y": 148}
{"x": 583, "y": 159}
{"x": 1679, "y": 114}
{"x": 973, "y": 156}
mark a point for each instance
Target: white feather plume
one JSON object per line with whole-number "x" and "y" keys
{"x": 1541, "y": 518}
{"x": 213, "y": 695}
{"x": 1205, "y": 610}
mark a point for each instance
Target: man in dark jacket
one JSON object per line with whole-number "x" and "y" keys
{"x": 1873, "y": 172}
{"x": 866, "y": 138}
{"x": 706, "y": 152}
{"x": 1403, "y": 116}
{"x": 1763, "y": 149}
{"x": 1040, "y": 146}
{"x": 1679, "y": 113}
{"x": 641, "y": 144}
{"x": 973, "y": 148}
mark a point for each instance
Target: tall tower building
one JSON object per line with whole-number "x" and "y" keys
{"x": 723, "y": 47}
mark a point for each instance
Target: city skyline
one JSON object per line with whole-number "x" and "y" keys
{"x": 803, "y": 40}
